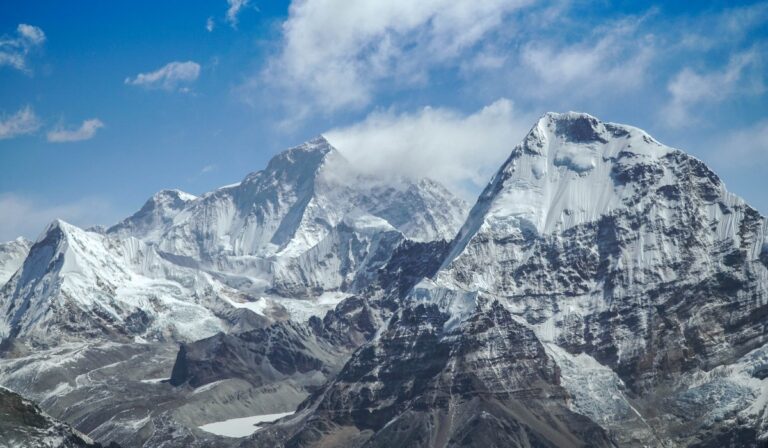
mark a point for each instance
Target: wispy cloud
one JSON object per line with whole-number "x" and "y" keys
{"x": 171, "y": 76}
{"x": 26, "y": 216}
{"x": 744, "y": 147}
{"x": 207, "y": 169}
{"x": 613, "y": 57}
{"x": 20, "y": 123}
{"x": 690, "y": 88}
{"x": 86, "y": 131}
{"x": 14, "y": 50}
{"x": 722, "y": 28}
{"x": 210, "y": 24}
{"x": 235, "y": 6}
{"x": 457, "y": 149}
{"x": 335, "y": 53}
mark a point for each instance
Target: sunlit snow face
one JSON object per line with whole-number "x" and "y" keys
{"x": 563, "y": 173}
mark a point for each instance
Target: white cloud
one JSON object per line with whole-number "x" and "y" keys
{"x": 169, "y": 77}
{"x": 458, "y": 150}
{"x": 22, "y": 122}
{"x": 31, "y": 34}
{"x": 235, "y": 6}
{"x": 28, "y": 217}
{"x": 615, "y": 57}
{"x": 207, "y": 169}
{"x": 210, "y": 24}
{"x": 690, "y": 88}
{"x": 86, "y": 131}
{"x": 14, "y": 50}
{"x": 335, "y": 52}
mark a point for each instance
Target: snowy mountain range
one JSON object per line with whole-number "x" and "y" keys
{"x": 604, "y": 290}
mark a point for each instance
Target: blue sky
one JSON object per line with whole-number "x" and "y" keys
{"x": 104, "y": 103}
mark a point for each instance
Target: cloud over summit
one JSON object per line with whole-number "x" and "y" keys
{"x": 457, "y": 149}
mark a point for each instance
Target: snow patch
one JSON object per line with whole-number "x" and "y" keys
{"x": 155, "y": 380}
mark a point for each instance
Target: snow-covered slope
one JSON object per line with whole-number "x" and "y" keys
{"x": 12, "y": 255}
{"x": 263, "y": 235}
{"x": 289, "y": 207}
{"x": 604, "y": 290}
{"x": 308, "y": 227}
{"x": 572, "y": 170}
{"x": 81, "y": 284}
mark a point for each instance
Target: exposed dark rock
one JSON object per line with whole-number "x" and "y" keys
{"x": 23, "y": 424}
{"x": 489, "y": 383}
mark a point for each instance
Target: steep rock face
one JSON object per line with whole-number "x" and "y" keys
{"x": 408, "y": 265}
{"x": 23, "y": 424}
{"x": 269, "y": 355}
{"x": 613, "y": 244}
{"x": 12, "y": 255}
{"x": 634, "y": 254}
{"x": 421, "y": 383}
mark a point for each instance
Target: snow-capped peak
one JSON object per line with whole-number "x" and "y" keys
{"x": 56, "y": 228}
{"x": 571, "y": 168}
{"x": 154, "y": 216}
{"x": 84, "y": 284}
{"x": 296, "y": 163}
{"x": 291, "y": 205}
{"x": 173, "y": 196}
